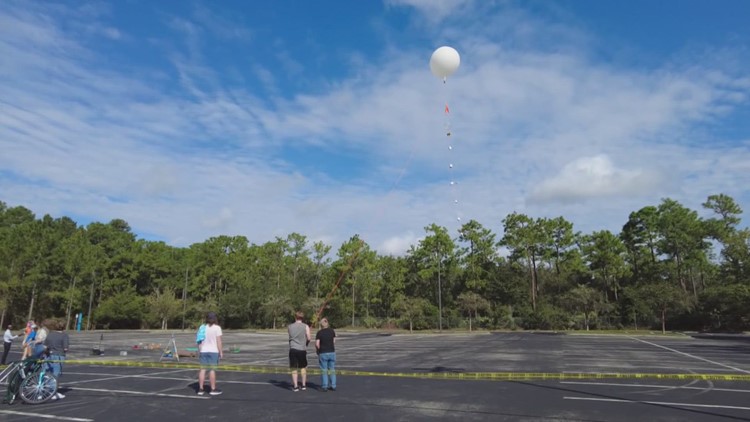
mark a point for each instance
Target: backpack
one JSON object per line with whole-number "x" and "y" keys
{"x": 201, "y": 334}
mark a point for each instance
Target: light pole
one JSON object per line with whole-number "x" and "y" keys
{"x": 440, "y": 297}
{"x": 184, "y": 298}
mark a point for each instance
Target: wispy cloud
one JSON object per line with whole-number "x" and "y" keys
{"x": 183, "y": 155}
{"x": 432, "y": 10}
{"x": 594, "y": 177}
{"x": 223, "y": 25}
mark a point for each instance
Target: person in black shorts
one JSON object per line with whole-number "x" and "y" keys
{"x": 299, "y": 338}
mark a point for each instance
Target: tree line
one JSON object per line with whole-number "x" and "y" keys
{"x": 667, "y": 268}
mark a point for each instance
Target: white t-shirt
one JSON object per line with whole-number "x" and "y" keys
{"x": 209, "y": 345}
{"x": 41, "y": 335}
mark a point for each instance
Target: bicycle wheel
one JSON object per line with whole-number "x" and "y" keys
{"x": 38, "y": 387}
{"x": 14, "y": 383}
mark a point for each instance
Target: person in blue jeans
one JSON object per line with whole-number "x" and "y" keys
{"x": 56, "y": 345}
{"x": 325, "y": 341}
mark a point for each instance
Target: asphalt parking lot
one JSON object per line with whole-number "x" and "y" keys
{"x": 106, "y": 389}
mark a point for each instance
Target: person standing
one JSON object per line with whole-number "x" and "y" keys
{"x": 37, "y": 346}
{"x": 8, "y": 338}
{"x": 56, "y": 343}
{"x": 210, "y": 353}
{"x": 299, "y": 338}
{"x": 325, "y": 340}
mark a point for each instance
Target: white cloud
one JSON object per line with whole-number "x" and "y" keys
{"x": 112, "y": 33}
{"x": 398, "y": 244}
{"x": 594, "y": 177}
{"x": 433, "y": 10}
{"x": 538, "y": 130}
{"x": 222, "y": 25}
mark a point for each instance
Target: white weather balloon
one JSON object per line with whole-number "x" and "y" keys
{"x": 444, "y": 61}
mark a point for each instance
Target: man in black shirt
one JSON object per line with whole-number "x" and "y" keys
{"x": 325, "y": 341}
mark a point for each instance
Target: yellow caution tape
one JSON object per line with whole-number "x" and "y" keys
{"x": 474, "y": 376}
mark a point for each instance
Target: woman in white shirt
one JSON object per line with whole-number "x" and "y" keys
{"x": 210, "y": 353}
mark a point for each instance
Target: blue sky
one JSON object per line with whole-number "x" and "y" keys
{"x": 196, "y": 119}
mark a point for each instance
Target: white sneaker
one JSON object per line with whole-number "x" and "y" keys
{"x": 59, "y": 396}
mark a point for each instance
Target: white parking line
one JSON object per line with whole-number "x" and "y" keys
{"x": 141, "y": 393}
{"x": 662, "y": 403}
{"x": 116, "y": 377}
{"x": 614, "y": 384}
{"x": 42, "y": 415}
{"x": 154, "y": 377}
{"x": 689, "y": 355}
{"x": 105, "y": 374}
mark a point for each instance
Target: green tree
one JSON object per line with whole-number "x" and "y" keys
{"x": 275, "y": 306}
{"x": 411, "y": 310}
{"x": 123, "y": 309}
{"x": 434, "y": 256}
{"x": 682, "y": 241}
{"x": 735, "y": 266}
{"x": 479, "y": 257}
{"x": 585, "y": 300}
{"x": 525, "y": 238}
{"x": 561, "y": 239}
{"x": 735, "y": 252}
{"x": 299, "y": 266}
{"x": 472, "y": 303}
{"x": 116, "y": 265}
{"x": 51, "y": 267}
{"x": 725, "y": 307}
{"x": 355, "y": 269}
{"x": 78, "y": 255}
{"x": 320, "y": 260}
{"x": 157, "y": 266}
{"x": 605, "y": 254}
{"x": 640, "y": 236}
{"x": 729, "y": 215}
{"x": 663, "y": 297}
{"x": 393, "y": 275}
{"x": 164, "y": 305}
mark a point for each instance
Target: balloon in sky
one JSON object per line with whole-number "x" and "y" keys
{"x": 444, "y": 61}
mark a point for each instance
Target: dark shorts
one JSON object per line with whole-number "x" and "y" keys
{"x": 297, "y": 359}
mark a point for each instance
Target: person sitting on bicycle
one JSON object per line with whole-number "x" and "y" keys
{"x": 28, "y": 342}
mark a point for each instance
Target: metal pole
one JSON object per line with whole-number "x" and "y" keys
{"x": 184, "y": 299}
{"x": 440, "y": 298}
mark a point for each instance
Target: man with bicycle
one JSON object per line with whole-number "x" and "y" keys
{"x": 57, "y": 343}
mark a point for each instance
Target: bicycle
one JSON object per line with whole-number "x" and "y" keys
{"x": 30, "y": 379}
